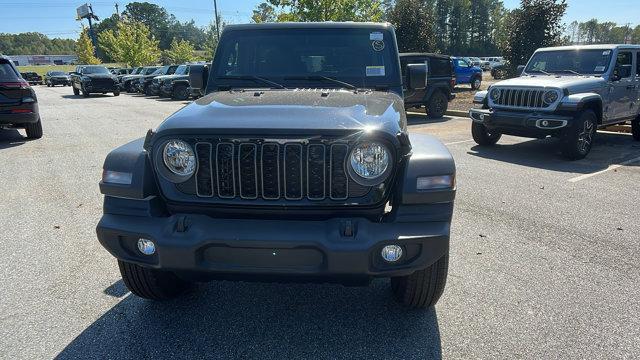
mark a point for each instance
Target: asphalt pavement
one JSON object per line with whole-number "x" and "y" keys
{"x": 545, "y": 259}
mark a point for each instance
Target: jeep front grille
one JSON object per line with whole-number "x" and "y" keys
{"x": 272, "y": 170}
{"x": 519, "y": 98}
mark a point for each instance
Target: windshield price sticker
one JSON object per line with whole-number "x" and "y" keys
{"x": 375, "y": 71}
{"x": 606, "y": 53}
{"x": 599, "y": 69}
{"x": 376, "y": 36}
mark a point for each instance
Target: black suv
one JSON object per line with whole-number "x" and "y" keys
{"x": 53, "y": 78}
{"x": 18, "y": 101}
{"x": 94, "y": 79}
{"x": 128, "y": 81}
{"x": 175, "y": 86}
{"x": 441, "y": 80}
{"x": 143, "y": 84}
{"x": 296, "y": 164}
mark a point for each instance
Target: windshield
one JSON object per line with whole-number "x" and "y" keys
{"x": 306, "y": 57}
{"x": 182, "y": 70}
{"x": 161, "y": 71}
{"x": 58, "y": 73}
{"x": 592, "y": 62}
{"x": 95, "y": 70}
{"x": 149, "y": 71}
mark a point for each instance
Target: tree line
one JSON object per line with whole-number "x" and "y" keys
{"x": 595, "y": 32}
{"x": 33, "y": 43}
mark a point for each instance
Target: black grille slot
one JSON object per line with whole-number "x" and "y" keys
{"x": 248, "y": 169}
{"x": 204, "y": 180}
{"x": 521, "y": 98}
{"x": 316, "y": 169}
{"x": 293, "y": 171}
{"x": 270, "y": 171}
{"x": 224, "y": 166}
{"x": 339, "y": 180}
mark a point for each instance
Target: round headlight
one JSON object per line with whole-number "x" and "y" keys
{"x": 495, "y": 95}
{"x": 369, "y": 161}
{"x": 179, "y": 158}
{"x": 550, "y": 97}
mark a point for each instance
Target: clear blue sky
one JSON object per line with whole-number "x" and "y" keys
{"x": 55, "y": 18}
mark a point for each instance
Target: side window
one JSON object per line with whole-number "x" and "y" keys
{"x": 624, "y": 63}
{"x": 462, "y": 63}
{"x": 638, "y": 63}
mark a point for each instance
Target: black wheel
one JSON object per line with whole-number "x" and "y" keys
{"x": 116, "y": 93}
{"x": 147, "y": 90}
{"x": 150, "y": 283}
{"x": 577, "y": 140}
{"x": 76, "y": 92}
{"x": 476, "y": 83}
{"x": 635, "y": 128}
{"x": 181, "y": 92}
{"x": 423, "y": 288}
{"x": 85, "y": 93}
{"x": 34, "y": 130}
{"x": 482, "y": 135}
{"x": 48, "y": 84}
{"x": 437, "y": 105}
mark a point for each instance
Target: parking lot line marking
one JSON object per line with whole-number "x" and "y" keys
{"x": 458, "y": 142}
{"x": 611, "y": 167}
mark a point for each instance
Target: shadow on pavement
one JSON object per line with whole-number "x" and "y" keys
{"x": 72, "y": 96}
{"x": 236, "y": 320}
{"x": 608, "y": 149}
{"x": 10, "y": 138}
{"x": 415, "y": 118}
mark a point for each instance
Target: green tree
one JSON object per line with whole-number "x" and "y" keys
{"x": 35, "y": 44}
{"x": 323, "y": 10}
{"x": 181, "y": 51}
{"x": 413, "y": 23}
{"x": 130, "y": 44}
{"x": 85, "y": 50}
{"x": 154, "y": 17}
{"x": 264, "y": 12}
{"x": 536, "y": 24}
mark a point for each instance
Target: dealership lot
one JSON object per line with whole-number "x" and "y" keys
{"x": 544, "y": 260}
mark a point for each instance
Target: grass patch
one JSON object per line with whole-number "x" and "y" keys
{"x": 42, "y": 69}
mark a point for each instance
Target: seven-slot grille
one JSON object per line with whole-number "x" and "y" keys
{"x": 521, "y": 98}
{"x": 271, "y": 171}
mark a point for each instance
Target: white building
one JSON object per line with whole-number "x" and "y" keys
{"x": 21, "y": 60}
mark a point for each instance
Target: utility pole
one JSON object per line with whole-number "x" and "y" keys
{"x": 215, "y": 14}
{"x": 117, "y": 10}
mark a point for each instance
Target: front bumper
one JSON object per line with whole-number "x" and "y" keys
{"x": 202, "y": 244}
{"x": 54, "y": 81}
{"x": 98, "y": 87}
{"x": 528, "y": 124}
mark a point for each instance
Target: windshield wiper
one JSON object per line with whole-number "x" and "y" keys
{"x": 570, "y": 71}
{"x": 254, "y": 79}
{"x": 540, "y": 71}
{"x": 322, "y": 78}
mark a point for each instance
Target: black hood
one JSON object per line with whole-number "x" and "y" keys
{"x": 289, "y": 111}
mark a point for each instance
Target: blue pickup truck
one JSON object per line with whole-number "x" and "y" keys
{"x": 466, "y": 73}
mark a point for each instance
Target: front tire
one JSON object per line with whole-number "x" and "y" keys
{"x": 76, "y": 92}
{"x": 437, "y": 105}
{"x": 423, "y": 288}
{"x": 34, "y": 130}
{"x": 635, "y": 128}
{"x": 476, "y": 83}
{"x": 116, "y": 93}
{"x": 578, "y": 139}
{"x": 85, "y": 93}
{"x": 482, "y": 136}
{"x": 151, "y": 283}
{"x": 181, "y": 93}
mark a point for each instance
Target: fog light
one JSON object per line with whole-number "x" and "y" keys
{"x": 545, "y": 123}
{"x": 146, "y": 246}
{"x": 391, "y": 253}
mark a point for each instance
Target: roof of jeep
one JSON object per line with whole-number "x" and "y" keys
{"x": 415, "y": 54}
{"x": 594, "y": 47}
{"x": 309, "y": 25}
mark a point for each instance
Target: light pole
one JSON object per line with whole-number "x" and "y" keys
{"x": 215, "y": 15}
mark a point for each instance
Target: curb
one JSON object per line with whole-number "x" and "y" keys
{"x": 457, "y": 113}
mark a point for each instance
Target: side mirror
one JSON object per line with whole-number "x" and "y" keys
{"x": 615, "y": 76}
{"x": 520, "y": 70}
{"x": 416, "y": 76}
{"x": 198, "y": 76}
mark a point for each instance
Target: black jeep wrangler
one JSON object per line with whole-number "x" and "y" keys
{"x": 296, "y": 165}
{"x": 436, "y": 95}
